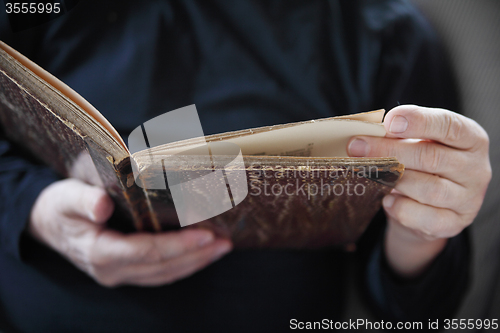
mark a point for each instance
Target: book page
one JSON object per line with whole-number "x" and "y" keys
{"x": 375, "y": 117}
{"x": 315, "y": 138}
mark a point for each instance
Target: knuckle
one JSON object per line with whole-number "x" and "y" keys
{"x": 426, "y": 120}
{"x": 107, "y": 281}
{"x": 151, "y": 254}
{"x": 449, "y": 224}
{"x": 437, "y": 226}
{"x": 170, "y": 280}
{"x": 458, "y": 227}
{"x": 472, "y": 205}
{"x": 488, "y": 174}
{"x": 430, "y": 157}
{"x": 467, "y": 220}
{"x": 438, "y": 192}
{"x": 482, "y": 170}
{"x": 389, "y": 149}
{"x": 452, "y": 126}
{"x": 99, "y": 260}
{"x": 482, "y": 137}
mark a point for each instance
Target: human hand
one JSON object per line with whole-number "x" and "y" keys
{"x": 443, "y": 187}
{"x": 69, "y": 216}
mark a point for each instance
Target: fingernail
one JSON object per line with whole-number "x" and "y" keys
{"x": 91, "y": 211}
{"x": 89, "y": 206}
{"x": 205, "y": 240}
{"x": 222, "y": 250}
{"x": 399, "y": 124}
{"x": 358, "y": 148}
{"x": 388, "y": 201}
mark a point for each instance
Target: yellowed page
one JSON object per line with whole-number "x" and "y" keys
{"x": 316, "y": 139}
{"x": 371, "y": 117}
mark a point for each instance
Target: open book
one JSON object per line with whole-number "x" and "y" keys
{"x": 303, "y": 189}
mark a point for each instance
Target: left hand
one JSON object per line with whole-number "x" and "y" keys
{"x": 443, "y": 187}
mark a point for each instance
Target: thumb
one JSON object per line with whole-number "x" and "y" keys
{"x": 86, "y": 201}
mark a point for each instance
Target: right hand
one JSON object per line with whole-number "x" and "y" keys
{"x": 69, "y": 216}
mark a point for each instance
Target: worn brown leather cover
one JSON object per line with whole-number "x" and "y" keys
{"x": 302, "y": 215}
{"x": 30, "y": 114}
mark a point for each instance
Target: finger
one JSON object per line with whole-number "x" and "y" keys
{"x": 113, "y": 248}
{"x": 103, "y": 208}
{"x": 449, "y": 128}
{"x": 181, "y": 267}
{"x": 86, "y": 201}
{"x": 423, "y": 156}
{"x": 430, "y": 222}
{"x": 433, "y": 190}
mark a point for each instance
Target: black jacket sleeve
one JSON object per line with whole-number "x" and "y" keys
{"x": 435, "y": 295}
{"x": 21, "y": 181}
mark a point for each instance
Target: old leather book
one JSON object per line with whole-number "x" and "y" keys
{"x": 303, "y": 189}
